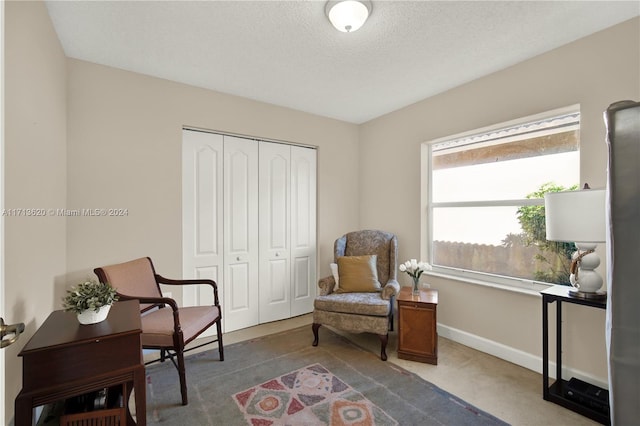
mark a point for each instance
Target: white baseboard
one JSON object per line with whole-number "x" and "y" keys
{"x": 515, "y": 356}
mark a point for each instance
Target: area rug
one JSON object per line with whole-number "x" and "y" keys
{"x": 281, "y": 379}
{"x": 309, "y": 396}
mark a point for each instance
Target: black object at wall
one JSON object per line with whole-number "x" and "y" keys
{"x": 589, "y": 395}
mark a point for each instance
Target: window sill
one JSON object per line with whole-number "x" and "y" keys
{"x": 530, "y": 288}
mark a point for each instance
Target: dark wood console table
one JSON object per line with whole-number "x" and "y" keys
{"x": 556, "y": 392}
{"x": 65, "y": 359}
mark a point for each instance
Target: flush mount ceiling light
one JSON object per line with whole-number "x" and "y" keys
{"x": 348, "y": 15}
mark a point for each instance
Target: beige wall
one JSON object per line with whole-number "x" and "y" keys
{"x": 124, "y": 151}
{"x": 594, "y": 72}
{"x": 35, "y": 175}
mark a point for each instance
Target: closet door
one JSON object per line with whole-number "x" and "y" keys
{"x": 249, "y": 223}
{"x": 240, "y": 302}
{"x": 303, "y": 229}
{"x": 202, "y": 233}
{"x": 274, "y": 202}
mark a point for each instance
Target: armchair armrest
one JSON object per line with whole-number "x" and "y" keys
{"x": 168, "y": 281}
{"x": 390, "y": 289}
{"x": 158, "y": 302}
{"x": 155, "y": 301}
{"x": 326, "y": 285}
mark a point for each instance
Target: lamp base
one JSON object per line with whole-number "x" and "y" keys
{"x": 598, "y": 295}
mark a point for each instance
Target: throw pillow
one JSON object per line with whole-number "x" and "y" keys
{"x": 336, "y": 277}
{"x": 358, "y": 274}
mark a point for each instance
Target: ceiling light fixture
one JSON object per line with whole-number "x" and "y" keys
{"x": 348, "y": 15}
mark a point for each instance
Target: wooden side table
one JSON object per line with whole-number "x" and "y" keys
{"x": 417, "y": 319}
{"x": 65, "y": 359}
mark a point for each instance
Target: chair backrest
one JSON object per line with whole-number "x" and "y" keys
{"x": 383, "y": 244}
{"x": 136, "y": 278}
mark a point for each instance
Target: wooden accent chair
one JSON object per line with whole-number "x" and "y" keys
{"x": 165, "y": 326}
{"x": 363, "y": 257}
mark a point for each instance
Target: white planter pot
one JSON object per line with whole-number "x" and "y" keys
{"x": 90, "y": 316}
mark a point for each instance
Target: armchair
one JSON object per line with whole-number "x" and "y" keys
{"x": 363, "y": 310}
{"x": 165, "y": 326}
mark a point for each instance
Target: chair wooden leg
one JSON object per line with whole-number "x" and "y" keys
{"x": 384, "y": 338}
{"x": 315, "y": 328}
{"x": 220, "y": 347}
{"x": 391, "y": 315}
{"x": 183, "y": 379}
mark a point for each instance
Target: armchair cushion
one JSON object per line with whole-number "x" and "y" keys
{"x": 158, "y": 326}
{"x": 354, "y": 303}
{"x": 358, "y": 274}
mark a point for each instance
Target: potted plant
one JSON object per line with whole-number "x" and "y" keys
{"x": 90, "y": 300}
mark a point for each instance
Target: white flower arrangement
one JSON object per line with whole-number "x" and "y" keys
{"x": 415, "y": 269}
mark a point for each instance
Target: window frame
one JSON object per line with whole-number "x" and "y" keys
{"x": 427, "y": 206}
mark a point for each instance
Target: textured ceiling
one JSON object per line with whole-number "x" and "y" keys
{"x": 287, "y": 53}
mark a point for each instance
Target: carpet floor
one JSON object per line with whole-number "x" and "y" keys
{"x": 280, "y": 379}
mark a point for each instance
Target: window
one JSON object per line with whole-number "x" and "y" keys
{"x": 485, "y": 199}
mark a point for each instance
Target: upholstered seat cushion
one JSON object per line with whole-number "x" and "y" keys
{"x": 157, "y": 326}
{"x": 353, "y": 303}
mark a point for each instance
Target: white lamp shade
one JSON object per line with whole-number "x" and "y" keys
{"x": 349, "y": 15}
{"x": 575, "y": 216}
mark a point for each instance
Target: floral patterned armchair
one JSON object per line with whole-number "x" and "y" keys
{"x": 361, "y": 310}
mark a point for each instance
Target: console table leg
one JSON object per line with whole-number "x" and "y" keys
{"x": 140, "y": 388}
{"x": 559, "y": 345}
{"x": 24, "y": 411}
{"x": 545, "y": 348}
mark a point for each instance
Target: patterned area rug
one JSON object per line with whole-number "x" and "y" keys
{"x": 310, "y": 395}
{"x": 281, "y": 379}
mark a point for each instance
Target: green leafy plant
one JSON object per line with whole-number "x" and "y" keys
{"x": 89, "y": 295}
{"x": 556, "y": 255}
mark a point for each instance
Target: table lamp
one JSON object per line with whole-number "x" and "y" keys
{"x": 579, "y": 217}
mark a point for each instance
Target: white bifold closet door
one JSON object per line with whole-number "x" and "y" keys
{"x": 240, "y": 302}
{"x": 303, "y": 230}
{"x": 202, "y": 224}
{"x": 249, "y": 223}
{"x": 220, "y": 223}
{"x": 287, "y": 230}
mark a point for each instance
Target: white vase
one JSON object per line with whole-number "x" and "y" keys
{"x": 90, "y": 316}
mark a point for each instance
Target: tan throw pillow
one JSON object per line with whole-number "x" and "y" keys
{"x": 358, "y": 274}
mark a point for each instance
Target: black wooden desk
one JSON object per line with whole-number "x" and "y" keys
{"x": 556, "y": 392}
